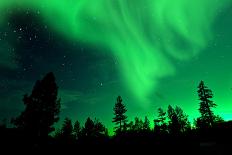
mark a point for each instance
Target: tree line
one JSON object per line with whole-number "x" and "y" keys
{"x": 42, "y": 108}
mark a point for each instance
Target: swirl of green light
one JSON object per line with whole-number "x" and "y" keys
{"x": 143, "y": 34}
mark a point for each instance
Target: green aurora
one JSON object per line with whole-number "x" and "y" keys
{"x": 163, "y": 46}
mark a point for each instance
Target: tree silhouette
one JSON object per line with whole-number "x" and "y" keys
{"x": 94, "y": 129}
{"x": 88, "y": 129}
{"x": 174, "y": 124}
{"x": 206, "y": 105}
{"x": 146, "y": 124}
{"x": 77, "y": 130}
{"x": 138, "y": 126}
{"x": 178, "y": 121}
{"x": 67, "y": 130}
{"x": 100, "y": 129}
{"x": 42, "y": 108}
{"x": 218, "y": 119}
{"x": 119, "y": 112}
{"x": 160, "y": 122}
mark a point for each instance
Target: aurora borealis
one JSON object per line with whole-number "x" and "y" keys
{"x": 151, "y": 52}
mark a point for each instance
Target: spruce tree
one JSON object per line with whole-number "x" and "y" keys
{"x": 206, "y": 105}
{"x": 120, "y": 118}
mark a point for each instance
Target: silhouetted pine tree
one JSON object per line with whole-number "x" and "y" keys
{"x": 67, "y": 130}
{"x": 120, "y": 116}
{"x": 160, "y": 125}
{"x": 206, "y": 105}
{"x": 42, "y": 108}
{"x": 77, "y": 130}
{"x": 146, "y": 124}
{"x": 88, "y": 129}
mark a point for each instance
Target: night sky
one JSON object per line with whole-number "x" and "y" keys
{"x": 151, "y": 52}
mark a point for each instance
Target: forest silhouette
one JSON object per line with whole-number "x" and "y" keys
{"x": 172, "y": 129}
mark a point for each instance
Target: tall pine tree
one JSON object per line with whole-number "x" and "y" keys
{"x": 206, "y": 105}
{"x": 120, "y": 118}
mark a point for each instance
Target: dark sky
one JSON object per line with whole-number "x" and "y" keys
{"x": 150, "y": 58}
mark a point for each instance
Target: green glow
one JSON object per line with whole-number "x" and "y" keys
{"x": 7, "y": 58}
{"x": 142, "y": 34}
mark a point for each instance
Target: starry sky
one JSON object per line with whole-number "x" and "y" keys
{"x": 151, "y": 52}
